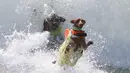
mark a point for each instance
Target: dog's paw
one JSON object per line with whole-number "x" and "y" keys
{"x": 90, "y": 42}
{"x": 54, "y": 62}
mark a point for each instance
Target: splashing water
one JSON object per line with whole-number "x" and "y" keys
{"x": 16, "y": 56}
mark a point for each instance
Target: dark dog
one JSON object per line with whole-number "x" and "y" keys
{"x": 53, "y": 24}
{"x": 74, "y": 45}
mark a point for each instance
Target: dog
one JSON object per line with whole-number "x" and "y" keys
{"x": 53, "y": 24}
{"x": 74, "y": 44}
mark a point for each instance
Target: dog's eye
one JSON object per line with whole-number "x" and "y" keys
{"x": 83, "y": 21}
{"x": 77, "y": 21}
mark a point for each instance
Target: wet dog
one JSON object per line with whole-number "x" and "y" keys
{"x": 53, "y": 24}
{"x": 72, "y": 48}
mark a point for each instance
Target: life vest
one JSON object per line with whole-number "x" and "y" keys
{"x": 75, "y": 33}
{"x": 70, "y": 57}
{"x": 56, "y": 32}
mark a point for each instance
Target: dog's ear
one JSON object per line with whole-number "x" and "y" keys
{"x": 75, "y": 21}
{"x": 72, "y": 21}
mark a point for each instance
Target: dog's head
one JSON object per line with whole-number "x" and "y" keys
{"x": 79, "y": 23}
{"x": 57, "y": 18}
{"x": 55, "y": 21}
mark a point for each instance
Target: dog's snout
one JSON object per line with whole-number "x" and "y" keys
{"x": 81, "y": 23}
{"x": 62, "y": 19}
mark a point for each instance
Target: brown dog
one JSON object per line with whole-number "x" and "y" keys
{"x": 74, "y": 45}
{"x": 80, "y": 39}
